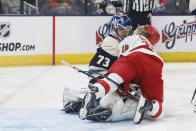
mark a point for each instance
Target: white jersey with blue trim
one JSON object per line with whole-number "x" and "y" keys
{"x": 107, "y": 52}
{"x": 105, "y": 56}
{"x": 110, "y": 44}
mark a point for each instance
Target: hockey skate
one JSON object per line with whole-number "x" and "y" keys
{"x": 144, "y": 106}
{"x": 88, "y": 103}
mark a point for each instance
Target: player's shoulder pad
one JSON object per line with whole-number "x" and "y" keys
{"x": 133, "y": 41}
{"x": 132, "y": 38}
{"x": 110, "y": 41}
{"x": 110, "y": 45}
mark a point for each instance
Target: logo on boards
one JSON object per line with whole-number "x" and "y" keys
{"x": 172, "y": 32}
{"x": 4, "y": 29}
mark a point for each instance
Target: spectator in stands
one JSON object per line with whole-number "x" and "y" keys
{"x": 43, "y": 3}
{"x": 177, "y": 7}
{"x": 60, "y": 7}
{"x": 1, "y": 9}
{"x": 91, "y": 7}
{"x": 11, "y": 6}
{"x": 192, "y": 7}
{"x": 44, "y": 7}
{"x": 160, "y": 6}
{"x": 77, "y": 7}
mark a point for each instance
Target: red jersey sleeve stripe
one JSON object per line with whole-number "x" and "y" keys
{"x": 105, "y": 85}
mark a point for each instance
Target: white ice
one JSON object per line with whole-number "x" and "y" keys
{"x": 31, "y": 100}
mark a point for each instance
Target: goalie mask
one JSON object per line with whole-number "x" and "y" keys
{"x": 120, "y": 20}
{"x": 121, "y": 24}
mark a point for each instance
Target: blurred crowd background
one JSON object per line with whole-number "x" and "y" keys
{"x": 85, "y": 7}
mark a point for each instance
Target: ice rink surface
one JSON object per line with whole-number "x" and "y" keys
{"x": 31, "y": 100}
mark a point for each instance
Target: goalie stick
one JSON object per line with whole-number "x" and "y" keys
{"x": 138, "y": 117}
{"x": 79, "y": 70}
{"x": 105, "y": 76}
{"x": 86, "y": 73}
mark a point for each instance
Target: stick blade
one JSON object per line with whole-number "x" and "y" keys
{"x": 66, "y": 63}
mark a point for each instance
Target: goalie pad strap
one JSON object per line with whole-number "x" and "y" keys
{"x": 105, "y": 85}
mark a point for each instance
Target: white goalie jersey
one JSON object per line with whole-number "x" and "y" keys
{"x": 105, "y": 56}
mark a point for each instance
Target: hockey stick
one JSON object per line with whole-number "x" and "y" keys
{"x": 138, "y": 117}
{"x": 85, "y": 72}
{"x": 193, "y": 96}
{"x": 104, "y": 76}
{"x": 79, "y": 70}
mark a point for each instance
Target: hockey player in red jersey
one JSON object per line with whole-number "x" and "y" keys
{"x": 139, "y": 63}
{"x": 106, "y": 54}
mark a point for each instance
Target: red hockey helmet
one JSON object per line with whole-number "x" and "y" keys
{"x": 154, "y": 35}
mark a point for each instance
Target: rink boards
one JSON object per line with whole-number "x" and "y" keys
{"x": 46, "y": 40}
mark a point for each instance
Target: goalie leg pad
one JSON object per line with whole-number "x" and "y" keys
{"x": 72, "y": 107}
{"x": 71, "y": 100}
{"x": 99, "y": 114}
{"x": 122, "y": 107}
